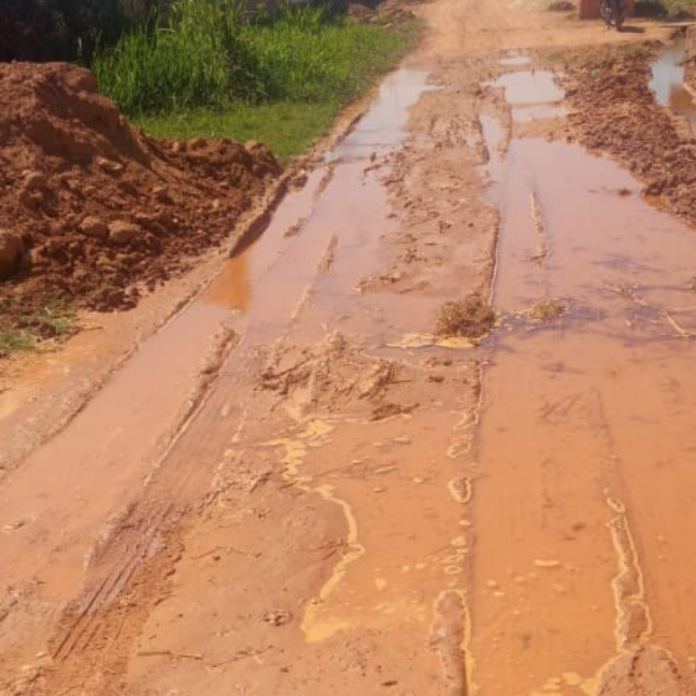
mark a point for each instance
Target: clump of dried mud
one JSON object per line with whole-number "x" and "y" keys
{"x": 468, "y": 318}
{"x": 332, "y": 376}
{"x": 95, "y": 211}
{"x": 615, "y": 112}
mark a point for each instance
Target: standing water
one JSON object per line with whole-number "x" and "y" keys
{"x": 668, "y": 82}
{"x": 583, "y": 463}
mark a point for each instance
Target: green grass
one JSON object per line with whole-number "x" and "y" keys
{"x": 211, "y": 71}
{"x": 21, "y": 329}
{"x": 15, "y": 341}
{"x": 194, "y": 57}
{"x": 288, "y": 128}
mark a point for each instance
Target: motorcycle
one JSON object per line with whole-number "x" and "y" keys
{"x": 613, "y": 12}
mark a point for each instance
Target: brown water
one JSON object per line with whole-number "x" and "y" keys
{"x": 668, "y": 81}
{"x": 127, "y": 458}
{"x": 520, "y": 547}
{"x": 583, "y": 461}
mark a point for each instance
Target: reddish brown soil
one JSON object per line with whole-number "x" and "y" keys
{"x": 335, "y": 504}
{"x": 102, "y": 210}
{"x": 616, "y": 113}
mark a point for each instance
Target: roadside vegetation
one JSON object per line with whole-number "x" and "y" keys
{"x": 213, "y": 68}
{"x": 210, "y": 69}
{"x": 30, "y": 328}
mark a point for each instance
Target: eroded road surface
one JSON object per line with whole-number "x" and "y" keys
{"x": 296, "y": 487}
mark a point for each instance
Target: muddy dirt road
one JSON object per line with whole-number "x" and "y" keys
{"x": 296, "y": 487}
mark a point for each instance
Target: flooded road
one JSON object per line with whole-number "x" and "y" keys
{"x": 668, "y": 81}
{"x": 297, "y": 486}
{"x": 583, "y": 458}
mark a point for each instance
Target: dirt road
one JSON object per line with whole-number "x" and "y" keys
{"x": 296, "y": 487}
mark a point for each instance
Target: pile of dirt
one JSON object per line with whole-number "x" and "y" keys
{"x": 94, "y": 211}
{"x": 616, "y": 113}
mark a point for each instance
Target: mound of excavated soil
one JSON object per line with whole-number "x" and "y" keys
{"x": 95, "y": 211}
{"x": 616, "y": 113}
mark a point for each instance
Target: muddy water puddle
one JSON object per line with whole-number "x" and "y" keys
{"x": 320, "y": 252}
{"x": 582, "y": 465}
{"x": 525, "y": 87}
{"x": 135, "y": 444}
{"x": 382, "y": 129}
{"x": 668, "y": 82}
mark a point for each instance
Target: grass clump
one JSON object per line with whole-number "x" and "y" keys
{"x": 23, "y": 329}
{"x": 14, "y": 341}
{"x": 468, "y": 318}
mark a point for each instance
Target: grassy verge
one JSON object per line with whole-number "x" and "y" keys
{"x": 210, "y": 71}
{"x": 288, "y": 128}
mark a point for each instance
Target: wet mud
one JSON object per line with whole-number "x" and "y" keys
{"x": 352, "y": 500}
{"x": 669, "y": 80}
{"x": 578, "y": 423}
{"x": 615, "y": 112}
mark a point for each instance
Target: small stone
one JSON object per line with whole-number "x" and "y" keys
{"x": 35, "y": 181}
{"x": 163, "y": 194}
{"x": 124, "y": 232}
{"x": 94, "y": 227}
{"x": 402, "y": 440}
{"x": 109, "y": 166}
{"x": 278, "y": 617}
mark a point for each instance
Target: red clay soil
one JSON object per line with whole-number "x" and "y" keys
{"x": 94, "y": 211}
{"x": 616, "y": 113}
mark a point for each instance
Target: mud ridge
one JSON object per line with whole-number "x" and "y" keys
{"x": 615, "y": 112}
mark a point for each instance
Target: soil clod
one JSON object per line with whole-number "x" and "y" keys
{"x": 468, "y": 318}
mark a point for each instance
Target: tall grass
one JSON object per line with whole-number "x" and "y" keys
{"x": 195, "y": 57}
{"x": 207, "y": 54}
{"x": 307, "y": 55}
